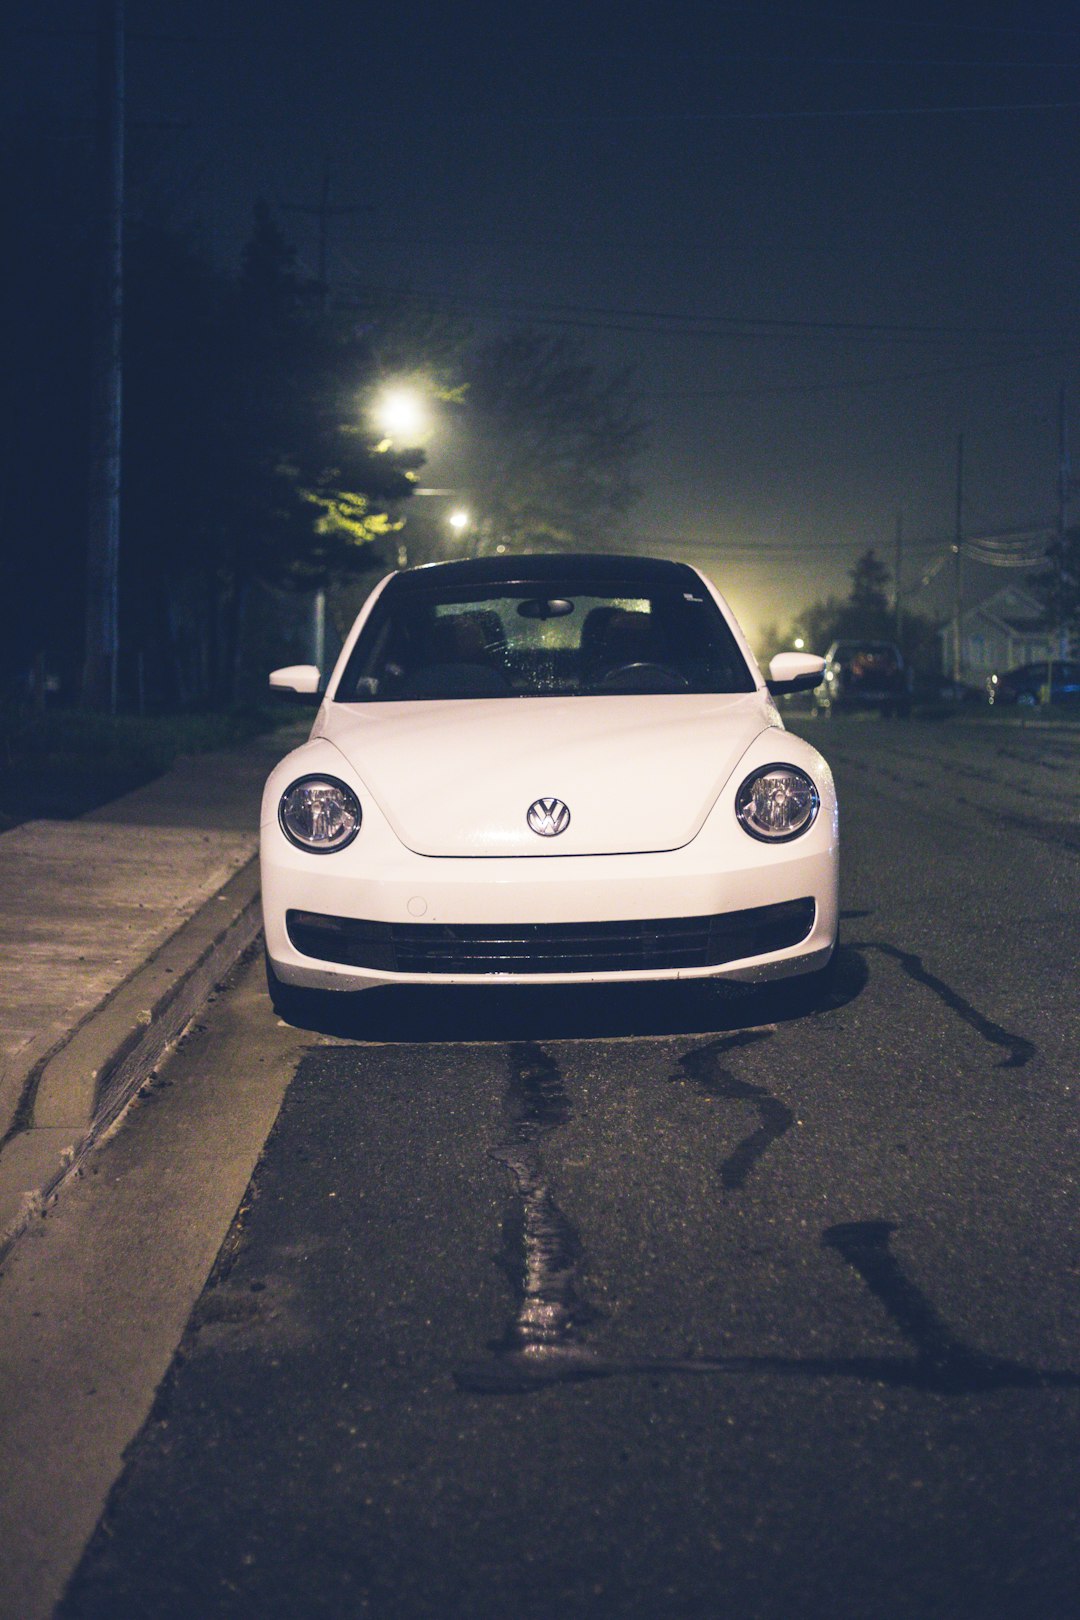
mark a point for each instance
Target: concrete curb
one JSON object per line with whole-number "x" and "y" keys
{"x": 71, "y": 1095}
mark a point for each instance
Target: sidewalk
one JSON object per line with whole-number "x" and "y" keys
{"x": 113, "y": 931}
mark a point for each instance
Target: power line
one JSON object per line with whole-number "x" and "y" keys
{"x": 694, "y": 322}
{"x": 764, "y": 58}
{"x": 463, "y": 308}
{"x": 763, "y": 550}
{"x": 787, "y": 115}
{"x": 937, "y": 25}
{"x": 478, "y": 118}
{"x": 839, "y": 385}
{"x": 1022, "y": 540}
{"x": 989, "y": 63}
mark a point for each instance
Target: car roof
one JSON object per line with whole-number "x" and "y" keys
{"x": 531, "y": 568}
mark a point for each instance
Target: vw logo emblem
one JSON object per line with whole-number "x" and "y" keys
{"x": 548, "y": 817}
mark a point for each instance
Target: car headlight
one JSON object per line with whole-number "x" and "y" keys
{"x": 320, "y": 814}
{"x": 776, "y": 803}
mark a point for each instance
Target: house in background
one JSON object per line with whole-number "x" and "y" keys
{"x": 1000, "y": 633}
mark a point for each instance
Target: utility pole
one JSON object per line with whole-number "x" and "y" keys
{"x": 318, "y": 632}
{"x": 898, "y": 564}
{"x": 1064, "y": 491}
{"x": 103, "y": 515}
{"x": 958, "y": 591}
{"x": 324, "y": 212}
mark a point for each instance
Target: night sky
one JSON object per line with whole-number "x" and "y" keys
{"x": 830, "y": 239}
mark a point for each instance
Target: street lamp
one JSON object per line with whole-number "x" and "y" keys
{"x": 401, "y": 415}
{"x": 459, "y": 521}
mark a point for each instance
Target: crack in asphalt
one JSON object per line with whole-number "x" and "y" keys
{"x": 701, "y": 1065}
{"x": 541, "y": 1247}
{"x": 942, "y": 1364}
{"x": 1019, "y": 1050}
{"x": 545, "y": 1343}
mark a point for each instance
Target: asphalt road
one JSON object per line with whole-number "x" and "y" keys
{"x": 665, "y": 1303}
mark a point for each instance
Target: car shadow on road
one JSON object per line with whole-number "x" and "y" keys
{"x": 409, "y": 1014}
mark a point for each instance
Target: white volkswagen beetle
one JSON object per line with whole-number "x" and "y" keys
{"x": 547, "y": 770}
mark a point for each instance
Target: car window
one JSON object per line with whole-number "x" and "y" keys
{"x": 549, "y": 639}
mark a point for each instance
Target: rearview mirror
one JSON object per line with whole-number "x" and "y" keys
{"x": 794, "y": 672}
{"x": 545, "y": 607}
{"x": 299, "y": 682}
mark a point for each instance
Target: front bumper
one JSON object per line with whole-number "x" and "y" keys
{"x": 548, "y": 895}
{"x": 529, "y": 949}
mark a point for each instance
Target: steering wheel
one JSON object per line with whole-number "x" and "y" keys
{"x": 637, "y": 676}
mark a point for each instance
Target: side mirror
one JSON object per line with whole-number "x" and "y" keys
{"x": 794, "y": 672}
{"x": 300, "y": 682}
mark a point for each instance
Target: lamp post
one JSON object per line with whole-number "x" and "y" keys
{"x": 958, "y": 578}
{"x": 401, "y": 415}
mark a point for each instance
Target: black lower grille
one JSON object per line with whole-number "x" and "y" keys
{"x": 607, "y": 947}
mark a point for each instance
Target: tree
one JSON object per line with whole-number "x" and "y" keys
{"x": 867, "y": 606}
{"x": 246, "y": 454}
{"x": 551, "y": 443}
{"x": 295, "y": 479}
{"x": 172, "y": 329}
{"x": 1057, "y": 585}
{"x": 247, "y": 457}
{"x": 45, "y": 278}
{"x": 815, "y": 627}
{"x": 865, "y": 613}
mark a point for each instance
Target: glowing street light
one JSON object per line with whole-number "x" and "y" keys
{"x": 401, "y": 415}
{"x": 459, "y": 521}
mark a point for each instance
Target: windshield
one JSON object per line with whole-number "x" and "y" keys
{"x": 550, "y": 639}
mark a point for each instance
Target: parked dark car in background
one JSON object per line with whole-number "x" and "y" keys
{"x": 864, "y": 675}
{"x": 1030, "y": 683}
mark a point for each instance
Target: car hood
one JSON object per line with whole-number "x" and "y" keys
{"x": 637, "y": 774}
